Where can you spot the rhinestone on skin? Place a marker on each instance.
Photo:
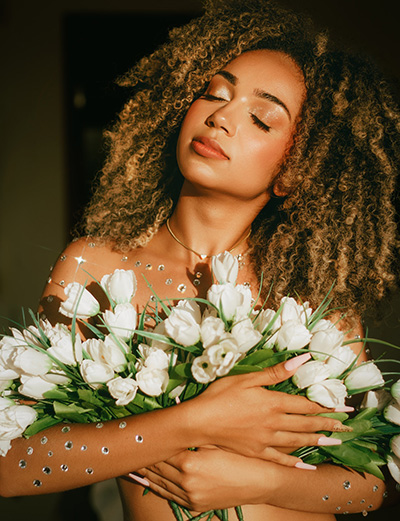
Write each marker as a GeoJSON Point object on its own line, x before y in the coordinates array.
{"type": "Point", "coordinates": [139, 438]}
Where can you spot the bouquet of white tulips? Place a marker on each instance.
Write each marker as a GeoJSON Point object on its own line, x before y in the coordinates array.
{"type": "Point", "coordinates": [129, 367]}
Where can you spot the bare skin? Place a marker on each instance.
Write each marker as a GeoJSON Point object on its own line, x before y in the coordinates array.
{"type": "Point", "coordinates": [217, 205]}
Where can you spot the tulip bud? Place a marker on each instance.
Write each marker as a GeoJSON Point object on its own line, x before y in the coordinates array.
{"type": "Point", "coordinates": [79, 302]}
{"type": "Point", "coordinates": [225, 268]}
{"type": "Point", "coordinates": [120, 285]}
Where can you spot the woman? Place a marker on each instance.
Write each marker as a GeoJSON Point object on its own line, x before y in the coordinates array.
{"type": "Point", "coordinates": [286, 155]}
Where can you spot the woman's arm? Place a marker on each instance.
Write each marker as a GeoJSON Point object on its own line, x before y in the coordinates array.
{"type": "Point", "coordinates": [65, 457]}
{"type": "Point", "coordinates": [73, 455]}
{"type": "Point", "coordinates": [211, 478]}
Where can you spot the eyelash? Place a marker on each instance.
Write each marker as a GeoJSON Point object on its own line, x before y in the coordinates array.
{"type": "Point", "coordinates": [210, 97]}
{"type": "Point", "coordinates": [254, 118]}
{"type": "Point", "coordinates": [260, 124]}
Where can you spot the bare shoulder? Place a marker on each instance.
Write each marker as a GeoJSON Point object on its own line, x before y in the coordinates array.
{"type": "Point", "coordinates": [83, 261]}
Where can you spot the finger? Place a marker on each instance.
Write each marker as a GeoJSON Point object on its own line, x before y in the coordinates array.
{"type": "Point", "coordinates": [275, 456]}
{"type": "Point", "coordinates": [302, 423]}
{"type": "Point", "coordinates": [279, 372]}
{"type": "Point", "coordinates": [165, 487]}
{"type": "Point", "coordinates": [296, 439]}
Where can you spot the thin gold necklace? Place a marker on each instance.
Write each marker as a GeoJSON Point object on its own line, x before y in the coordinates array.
{"type": "Point", "coordinates": [203, 255]}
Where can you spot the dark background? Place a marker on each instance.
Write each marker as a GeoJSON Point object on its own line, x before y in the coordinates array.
{"type": "Point", "coordinates": [59, 60]}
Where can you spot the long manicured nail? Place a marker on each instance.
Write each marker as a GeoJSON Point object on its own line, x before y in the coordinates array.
{"type": "Point", "coordinates": [344, 408]}
{"type": "Point", "coordinates": [296, 362]}
{"type": "Point", "coordinates": [305, 466]}
{"type": "Point", "coordinates": [324, 440]}
{"type": "Point", "coordinates": [142, 481]}
{"type": "Point", "coordinates": [339, 427]}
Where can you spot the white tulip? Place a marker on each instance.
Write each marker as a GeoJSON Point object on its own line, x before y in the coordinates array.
{"type": "Point", "coordinates": [393, 463]}
{"type": "Point", "coordinates": [310, 373]}
{"type": "Point", "coordinates": [123, 390]}
{"type": "Point", "coordinates": [363, 376]}
{"type": "Point", "coordinates": [223, 355]}
{"type": "Point", "coordinates": [79, 301]}
{"type": "Point", "coordinates": [395, 391]}
{"type": "Point", "coordinates": [4, 384]}
{"type": "Point", "coordinates": [13, 422]}
{"type": "Point", "coordinates": [56, 378]}
{"type": "Point", "coordinates": [329, 393]}
{"type": "Point", "coordinates": [120, 285]}
{"type": "Point", "coordinates": [244, 308]}
{"type": "Point", "coordinates": [341, 358]}
{"type": "Point", "coordinates": [233, 301]}
{"type": "Point", "coordinates": [292, 336]}
{"type": "Point", "coordinates": [159, 344]}
{"type": "Point", "coordinates": [395, 445]}
{"type": "Point", "coordinates": [61, 345]}
{"type": "Point", "coordinates": [212, 329]}
{"type": "Point", "coordinates": [183, 324]}
{"type": "Point", "coordinates": [5, 402]}
{"type": "Point", "coordinates": [378, 399]}
{"type": "Point", "coordinates": [112, 353]}
{"type": "Point", "coordinates": [122, 321]}
{"type": "Point", "coordinates": [35, 386]}
{"type": "Point", "coordinates": [293, 311]}
{"type": "Point", "coordinates": [152, 382]}
{"type": "Point", "coordinates": [32, 362]}
{"type": "Point", "coordinates": [202, 370]}
{"type": "Point", "coordinates": [325, 341]}
{"type": "Point", "coordinates": [225, 268]}
{"type": "Point", "coordinates": [5, 446]}
{"type": "Point", "coordinates": [10, 348]}
{"type": "Point", "coordinates": [245, 335]}
{"type": "Point", "coordinates": [157, 359]}
{"type": "Point", "coordinates": [392, 412]}
{"type": "Point", "coordinates": [95, 373]}
{"type": "Point", "coordinates": [264, 318]}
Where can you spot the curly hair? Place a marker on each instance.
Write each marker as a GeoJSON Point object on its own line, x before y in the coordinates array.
{"type": "Point", "coordinates": [338, 221]}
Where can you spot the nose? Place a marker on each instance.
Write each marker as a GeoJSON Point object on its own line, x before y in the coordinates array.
{"type": "Point", "coordinates": [222, 119]}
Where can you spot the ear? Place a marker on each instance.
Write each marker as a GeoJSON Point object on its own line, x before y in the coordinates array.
{"type": "Point", "coordinates": [278, 190]}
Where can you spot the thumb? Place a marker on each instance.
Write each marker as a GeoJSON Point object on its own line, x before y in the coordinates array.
{"type": "Point", "coordinates": [279, 372]}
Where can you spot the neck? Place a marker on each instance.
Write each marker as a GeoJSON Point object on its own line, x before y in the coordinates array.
{"type": "Point", "coordinates": [209, 224]}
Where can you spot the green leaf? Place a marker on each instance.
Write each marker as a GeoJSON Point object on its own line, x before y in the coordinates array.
{"type": "Point", "coordinates": [348, 454]}
{"type": "Point", "coordinates": [257, 357]}
{"type": "Point", "coordinates": [40, 425]}
{"type": "Point", "coordinates": [182, 371]}
{"type": "Point", "coordinates": [89, 397]}
{"type": "Point", "coordinates": [57, 394]}
{"type": "Point", "coordinates": [71, 412]}
{"type": "Point", "coordinates": [244, 369]}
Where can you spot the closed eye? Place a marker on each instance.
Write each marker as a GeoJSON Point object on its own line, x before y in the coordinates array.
{"type": "Point", "coordinates": [210, 97]}
{"type": "Point", "coordinates": [259, 123]}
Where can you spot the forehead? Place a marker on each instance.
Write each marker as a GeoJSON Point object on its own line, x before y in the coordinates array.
{"type": "Point", "coordinates": [271, 71]}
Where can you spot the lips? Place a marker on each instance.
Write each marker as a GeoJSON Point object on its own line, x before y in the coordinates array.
{"type": "Point", "coordinates": [207, 147]}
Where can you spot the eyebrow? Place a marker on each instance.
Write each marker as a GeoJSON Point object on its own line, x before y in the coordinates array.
{"type": "Point", "coordinates": [233, 80]}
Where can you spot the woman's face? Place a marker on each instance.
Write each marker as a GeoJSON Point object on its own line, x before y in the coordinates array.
{"type": "Point", "coordinates": [234, 137]}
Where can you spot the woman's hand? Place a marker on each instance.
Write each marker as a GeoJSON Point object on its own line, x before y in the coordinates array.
{"type": "Point", "coordinates": [236, 413]}
{"type": "Point", "coordinates": [209, 478]}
